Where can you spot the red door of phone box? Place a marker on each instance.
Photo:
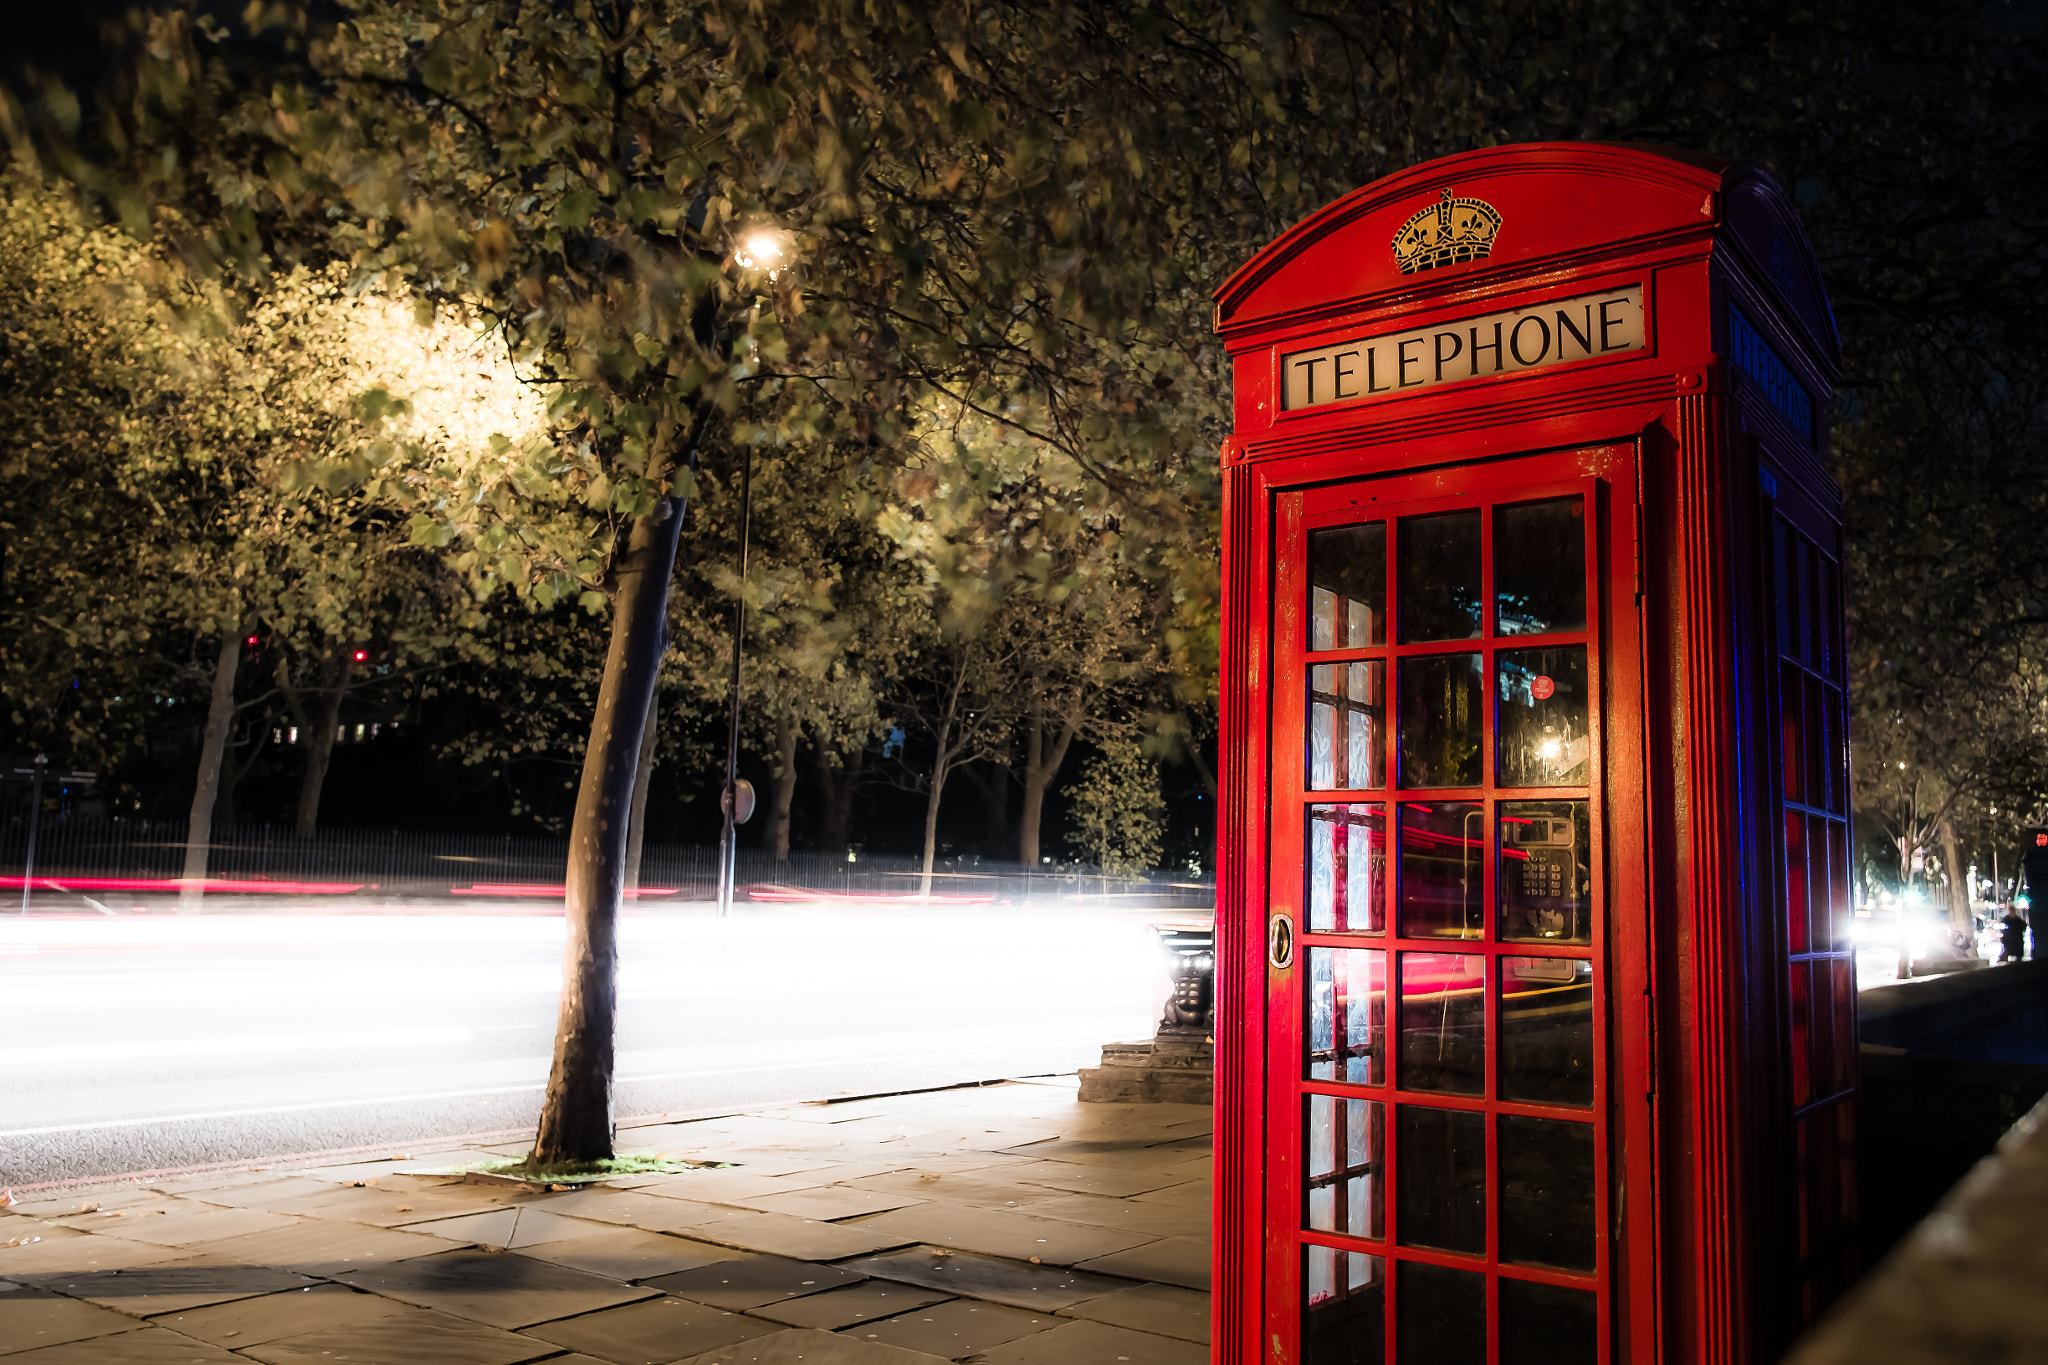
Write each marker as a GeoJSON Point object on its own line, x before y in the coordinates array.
{"type": "Point", "coordinates": [1536, 1008]}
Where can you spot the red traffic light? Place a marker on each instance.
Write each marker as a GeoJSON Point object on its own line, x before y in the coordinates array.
{"type": "Point", "coordinates": [252, 642]}
{"type": "Point", "coordinates": [2041, 841]}
{"type": "Point", "coordinates": [361, 655]}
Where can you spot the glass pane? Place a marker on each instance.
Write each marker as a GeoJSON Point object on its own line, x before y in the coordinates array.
{"type": "Point", "coordinates": [1345, 1189]}
{"type": "Point", "coordinates": [1347, 584]}
{"type": "Point", "coordinates": [1819, 895]}
{"type": "Point", "coordinates": [1802, 1025]}
{"type": "Point", "coordinates": [1440, 1157]}
{"type": "Point", "coordinates": [1347, 1015]}
{"type": "Point", "coordinates": [1823, 1183]}
{"type": "Point", "coordinates": [1829, 758]}
{"type": "Point", "coordinates": [1802, 587]}
{"type": "Point", "coordinates": [1841, 908]}
{"type": "Point", "coordinates": [1345, 744]}
{"type": "Point", "coordinates": [1443, 1023]}
{"type": "Point", "coordinates": [1442, 1317]}
{"type": "Point", "coordinates": [1346, 1299]}
{"type": "Point", "coordinates": [1443, 870]}
{"type": "Point", "coordinates": [1546, 1193]}
{"type": "Point", "coordinates": [1795, 881]}
{"type": "Point", "coordinates": [1817, 774]}
{"type": "Point", "coordinates": [1792, 732]}
{"type": "Point", "coordinates": [1845, 1022]}
{"type": "Point", "coordinates": [1546, 872]}
{"type": "Point", "coordinates": [1825, 659]}
{"type": "Point", "coordinates": [1821, 1033]}
{"type": "Point", "coordinates": [1543, 717]}
{"type": "Point", "coordinates": [1788, 602]}
{"type": "Point", "coordinates": [1546, 1030]}
{"type": "Point", "coordinates": [1439, 571]}
{"type": "Point", "coordinates": [1441, 707]}
{"type": "Point", "coordinates": [1548, 1324]}
{"type": "Point", "coordinates": [1539, 567]}
{"type": "Point", "coordinates": [1347, 869]}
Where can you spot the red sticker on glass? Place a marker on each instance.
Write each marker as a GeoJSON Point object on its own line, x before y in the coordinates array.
{"type": "Point", "coordinates": [1541, 687]}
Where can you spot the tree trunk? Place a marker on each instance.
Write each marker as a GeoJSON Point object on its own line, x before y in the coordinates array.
{"type": "Point", "coordinates": [994, 790]}
{"type": "Point", "coordinates": [643, 778]}
{"type": "Point", "coordinates": [1042, 759]}
{"type": "Point", "coordinates": [782, 788]}
{"type": "Point", "coordinates": [213, 746]}
{"type": "Point", "coordinates": [838, 777]}
{"type": "Point", "coordinates": [942, 763]}
{"type": "Point", "coordinates": [1958, 879]}
{"type": "Point", "coordinates": [576, 1115]}
{"type": "Point", "coordinates": [325, 729]}
{"type": "Point", "coordinates": [233, 770]}
{"type": "Point", "coordinates": [931, 818]}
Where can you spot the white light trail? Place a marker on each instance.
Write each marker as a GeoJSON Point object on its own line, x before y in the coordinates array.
{"type": "Point", "coordinates": [151, 1049]}
{"type": "Point", "coordinates": [1084, 1037]}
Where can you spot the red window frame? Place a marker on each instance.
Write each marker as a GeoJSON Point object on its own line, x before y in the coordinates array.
{"type": "Point", "coordinates": [1388, 499]}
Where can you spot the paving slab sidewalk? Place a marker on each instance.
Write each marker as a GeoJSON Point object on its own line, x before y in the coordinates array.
{"type": "Point", "coordinates": [1006, 1223]}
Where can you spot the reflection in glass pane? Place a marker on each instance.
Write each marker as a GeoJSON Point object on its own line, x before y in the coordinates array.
{"type": "Point", "coordinates": [1346, 1302]}
{"type": "Point", "coordinates": [1792, 731]}
{"type": "Point", "coordinates": [1539, 567]}
{"type": "Point", "coordinates": [1347, 869]}
{"type": "Point", "coordinates": [1439, 569]}
{"type": "Point", "coordinates": [1542, 717]}
{"type": "Point", "coordinates": [1347, 582]}
{"type": "Point", "coordinates": [1441, 1172]}
{"type": "Point", "coordinates": [1345, 704]}
{"type": "Point", "coordinates": [1345, 1138]}
{"type": "Point", "coordinates": [1443, 1023]}
{"type": "Point", "coordinates": [1795, 881]}
{"type": "Point", "coordinates": [1546, 1192]}
{"type": "Point", "coordinates": [1443, 1316]}
{"type": "Point", "coordinates": [1548, 1324]}
{"type": "Point", "coordinates": [1546, 872]}
{"type": "Point", "coordinates": [1820, 706]}
{"type": "Point", "coordinates": [1442, 701]}
{"type": "Point", "coordinates": [1546, 1030]}
{"type": "Point", "coordinates": [1443, 869]}
{"type": "Point", "coordinates": [1347, 1015]}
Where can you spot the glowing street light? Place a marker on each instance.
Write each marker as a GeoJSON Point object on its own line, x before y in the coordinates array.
{"type": "Point", "coordinates": [765, 250]}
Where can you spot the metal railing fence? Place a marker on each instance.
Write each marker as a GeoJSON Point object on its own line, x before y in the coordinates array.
{"type": "Point", "coordinates": [414, 863]}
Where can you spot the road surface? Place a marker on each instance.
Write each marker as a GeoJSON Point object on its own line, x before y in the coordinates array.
{"type": "Point", "coordinates": [156, 1041]}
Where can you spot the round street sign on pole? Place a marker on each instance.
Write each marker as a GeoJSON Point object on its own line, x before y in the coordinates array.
{"type": "Point", "coordinates": [741, 802]}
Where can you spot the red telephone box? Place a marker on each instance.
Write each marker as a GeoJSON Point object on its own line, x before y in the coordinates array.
{"type": "Point", "coordinates": [1536, 1036]}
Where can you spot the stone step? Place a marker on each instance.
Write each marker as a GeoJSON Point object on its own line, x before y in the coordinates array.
{"type": "Point", "coordinates": [1172, 1068]}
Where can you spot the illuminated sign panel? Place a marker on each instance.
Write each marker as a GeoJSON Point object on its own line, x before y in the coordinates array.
{"type": "Point", "coordinates": [1555, 333]}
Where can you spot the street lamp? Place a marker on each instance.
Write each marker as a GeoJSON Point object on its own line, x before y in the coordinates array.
{"type": "Point", "coordinates": [764, 250]}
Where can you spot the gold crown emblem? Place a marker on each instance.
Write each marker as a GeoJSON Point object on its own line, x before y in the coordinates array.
{"type": "Point", "coordinates": [1448, 232]}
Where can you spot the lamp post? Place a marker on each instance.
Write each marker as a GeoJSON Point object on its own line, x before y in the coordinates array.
{"type": "Point", "coordinates": [763, 251]}
{"type": "Point", "coordinates": [35, 815]}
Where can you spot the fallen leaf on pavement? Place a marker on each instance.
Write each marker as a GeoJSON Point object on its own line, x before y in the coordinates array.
{"type": "Point", "coordinates": [88, 1208]}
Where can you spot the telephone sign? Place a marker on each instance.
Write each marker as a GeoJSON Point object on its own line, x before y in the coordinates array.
{"type": "Point", "coordinates": [1535, 1001]}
